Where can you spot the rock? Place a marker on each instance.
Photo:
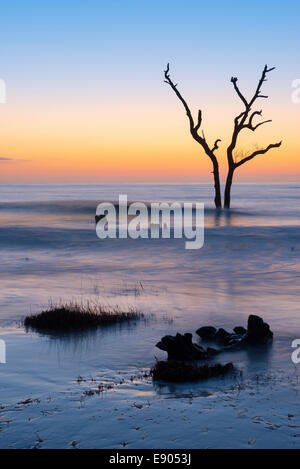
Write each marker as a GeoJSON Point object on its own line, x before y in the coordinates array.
{"type": "Point", "coordinates": [258, 331]}
{"type": "Point", "coordinates": [178, 371]}
{"type": "Point", "coordinates": [233, 339]}
{"type": "Point", "coordinates": [207, 332]}
{"type": "Point", "coordinates": [240, 330]}
{"type": "Point", "coordinates": [181, 347]}
{"type": "Point", "coordinates": [222, 336]}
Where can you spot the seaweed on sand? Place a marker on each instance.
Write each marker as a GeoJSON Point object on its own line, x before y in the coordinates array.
{"type": "Point", "coordinates": [178, 371]}
{"type": "Point", "coordinates": [75, 316]}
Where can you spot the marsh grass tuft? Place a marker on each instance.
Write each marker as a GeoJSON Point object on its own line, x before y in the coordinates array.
{"type": "Point", "coordinates": [76, 316]}
{"type": "Point", "coordinates": [177, 371]}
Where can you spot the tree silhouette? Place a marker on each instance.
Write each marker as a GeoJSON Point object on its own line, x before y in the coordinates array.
{"type": "Point", "coordinates": [194, 129]}
{"type": "Point", "coordinates": [243, 121]}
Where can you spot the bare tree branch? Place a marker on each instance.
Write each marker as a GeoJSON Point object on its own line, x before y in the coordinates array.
{"type": "Point", "coordinates": [245, 121]}
{"type": "Point", "coordinates": [179, 96]}
{"type": "Point", "coordinates": [254, 127]}
{"type": "Point", "coordinates": [234, 81]}
{"type": "Point", "coordinates": [194, 130]}
{"type": "Point", "coordinates": [239, 124]}
{"type": "Point", "coordinates": [216, 146]}
{"type": "Point", "coordinates": [260, 83]}
{"type": "Point", "coordinates": [240, 121]}
{"type": "Point", "coordinates": [258, 152]}
{"type": "Point", "coordinates": [199, 122]}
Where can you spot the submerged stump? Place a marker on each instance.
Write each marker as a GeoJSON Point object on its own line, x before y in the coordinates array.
{"type": "Point", "coordinates": [181, 347]}
{"type": "Point", "coordinates": [257, 332]}
{"type": "Point", "coordinates": [179, 371]}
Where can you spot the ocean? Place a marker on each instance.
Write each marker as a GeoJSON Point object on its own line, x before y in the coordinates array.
{"type": "Point", "coordinates": [249, 264]}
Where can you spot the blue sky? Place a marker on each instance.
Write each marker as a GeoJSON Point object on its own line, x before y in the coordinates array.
{"type": "Point", "coordinates": [81, 42]}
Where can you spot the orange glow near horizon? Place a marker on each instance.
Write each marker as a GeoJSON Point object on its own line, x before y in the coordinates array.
{"type": "Point", "coordinates": [87, 101]}
{"type": "Point", "coordinates": [84, 145]}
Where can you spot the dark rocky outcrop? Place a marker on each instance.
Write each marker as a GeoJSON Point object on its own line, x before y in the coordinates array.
{"type": "Point", "coordinates": [179, 371]}
{"type": "Point", "coordinates": [207, 332]}
{"type": "Point", "coordinates": [239, 330]}
{"type": "Point", "coordinates": [257, 332]}
{"type": "Point", "coordinates": [222, 336]}
{"type": "Point", "coordinates": [181, 347]}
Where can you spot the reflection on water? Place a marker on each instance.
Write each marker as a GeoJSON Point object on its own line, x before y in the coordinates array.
{"type": "Point", "coordinates": [82, 341]}
{"type": "Point", "coordinates": [224, 218]}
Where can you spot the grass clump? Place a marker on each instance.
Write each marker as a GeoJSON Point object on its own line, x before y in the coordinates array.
{"type": "Point", "coordinates": [75, 316]}
{"type": "Point", "coordinates": [178, 371]}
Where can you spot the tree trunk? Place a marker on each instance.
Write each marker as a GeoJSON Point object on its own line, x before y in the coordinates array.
{"type": "Point", "coordinates": [228, 188]}
{"type": "Point", "coordinates": [218, 200]}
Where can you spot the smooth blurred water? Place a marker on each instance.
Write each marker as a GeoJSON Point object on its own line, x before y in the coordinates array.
{"type": "Point", "coordinates": [49, 251]}
{"type": "Point", "coordinates": [249, 262]}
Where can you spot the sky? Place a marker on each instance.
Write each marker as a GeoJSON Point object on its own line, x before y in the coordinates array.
{"type": "Point", "coordinates": [86, 100]}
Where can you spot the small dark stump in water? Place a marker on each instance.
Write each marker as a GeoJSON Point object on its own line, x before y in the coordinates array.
{"type": "Point", "coordinates": [257, 332]}
{"type": "Point", "coordinates": [76, 317]}
{"type": "Point", "coordinates": [179, 371]}
{"type": "Point", "coordinates": [207, 332]}
{"type": "Point", "coordinates": [239, 330]}
{"type": "Point", "coordinates": [181, 347]}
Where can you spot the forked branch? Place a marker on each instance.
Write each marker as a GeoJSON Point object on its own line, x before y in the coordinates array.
{"type": "Point", "coordinates": [245, 119]}
{"type": "Point", "coordinates": [194, 128]}
{"type": "Point", "coordinates": [257, 152]}
{"type": "Point", "coordinates": [250, 123]}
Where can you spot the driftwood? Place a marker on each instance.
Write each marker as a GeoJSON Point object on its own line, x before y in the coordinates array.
{"type": "Point", "coordinates": [181, 347]}
{"type": "Point", "coordinates": [257, 332]}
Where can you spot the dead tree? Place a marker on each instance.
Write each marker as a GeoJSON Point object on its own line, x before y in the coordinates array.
{"type": "Point", "coordinates": [245, 121]}
{"type": "Point", "coordinates": [194, 130]}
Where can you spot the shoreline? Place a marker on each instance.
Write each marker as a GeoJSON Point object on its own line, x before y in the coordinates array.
{"type": "Point", "coordinates": [248, 397]}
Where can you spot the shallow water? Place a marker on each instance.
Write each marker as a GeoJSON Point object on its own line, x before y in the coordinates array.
{"type": "Point", "coordinates": [249, 264]}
